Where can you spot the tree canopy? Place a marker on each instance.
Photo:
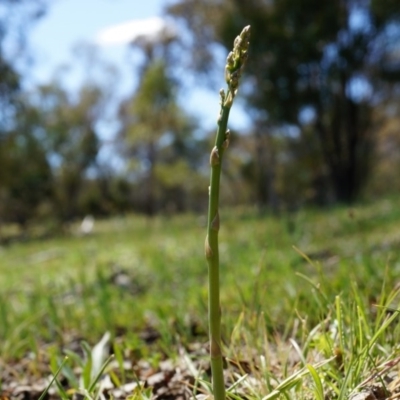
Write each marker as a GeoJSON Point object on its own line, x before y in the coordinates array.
{"type": "Point", "coordinates": [324, 64]}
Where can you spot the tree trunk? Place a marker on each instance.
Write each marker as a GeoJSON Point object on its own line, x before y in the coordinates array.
{"type": "Point", "coordinates": [150, 206]}
{"type": "Point", "coordinates": [345, 143]}
{"type": "Point", "coordinates": [266, 164]}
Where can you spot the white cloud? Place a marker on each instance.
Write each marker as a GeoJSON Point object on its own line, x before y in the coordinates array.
{"type": "Point", "coordinates": [151, 29]}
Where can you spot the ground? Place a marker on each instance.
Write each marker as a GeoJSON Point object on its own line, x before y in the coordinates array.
{"type": "Point", "coordinates": [309, 307]}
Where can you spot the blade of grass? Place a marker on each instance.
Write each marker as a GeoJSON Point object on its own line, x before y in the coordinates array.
{"type": "Point", "coordinates": [293, 380]}
{"type": "Point", "coordinates": [43, 395]}
{"type": "Point", "coordinates": [98, 376]}
{"type": "Point", "coordinates": [319, 390]}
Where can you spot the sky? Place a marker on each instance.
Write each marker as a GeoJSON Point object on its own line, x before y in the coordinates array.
{"type": "Point", "coordinates": [70, 22]}
{"type": "Point", "coordinates": [109, 24]}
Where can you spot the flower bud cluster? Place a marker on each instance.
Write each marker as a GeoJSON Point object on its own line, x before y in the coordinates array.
{"type": "Point", "coordinates": [236, 60]}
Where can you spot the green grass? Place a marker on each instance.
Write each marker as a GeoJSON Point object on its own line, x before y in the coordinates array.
{"type": "Point", "coordinates": [284, 315]}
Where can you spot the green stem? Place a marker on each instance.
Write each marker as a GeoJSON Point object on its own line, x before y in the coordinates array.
{"type": "Point", "coordinates": [235, 62]}
{"type": "Point", "coordinates": [212, 255]}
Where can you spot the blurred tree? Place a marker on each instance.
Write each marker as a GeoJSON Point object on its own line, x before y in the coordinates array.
{"type": "Point", "coordinates": [16, 17]}
{"type": "Point", "coordinates": [48, 155]}
{"type": "Point", "coordinates": [68, 131]}
{"type": "Point", "coordinates": [156, 135]}
{"type": "Point", "coordinates": [104, 195]}
{"type": "Point", "coordinates": [27, 181]}
{"type": "Point", "coordinates": [385, 177]}
{"type": "Point", "coordinates": [24, 170]}
{"type": "Point", "coordinates": [312, 62]}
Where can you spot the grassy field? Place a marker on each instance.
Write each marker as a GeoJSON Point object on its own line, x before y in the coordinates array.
{"type": "Point", "coordinates": [309, 306]}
